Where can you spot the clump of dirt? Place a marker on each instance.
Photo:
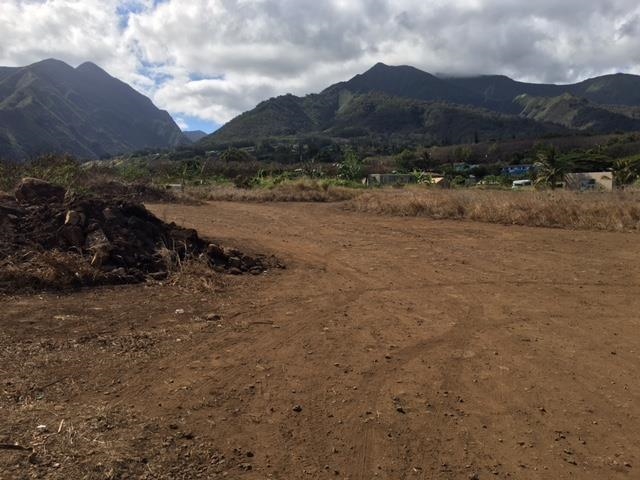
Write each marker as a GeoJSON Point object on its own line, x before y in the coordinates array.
{"type": "Point", "coordinates": [52, 239]}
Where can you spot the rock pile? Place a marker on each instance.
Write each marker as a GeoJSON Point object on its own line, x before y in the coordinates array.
{"type": "Point", "coordinates": [116, 241]}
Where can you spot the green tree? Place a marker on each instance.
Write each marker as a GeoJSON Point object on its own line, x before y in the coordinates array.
{"type": "Point", "coordinates": [351, 166]}
{"type": "Point", "coordinates": [626, 171]}
{"type": "Point", "coordinates": [235, 155]}
{"type": "Point", "coordinates": [192, 169]}
{"type": "Point", "coordinates": [410, 160]}
{"type": "Point", "coordinates": [550, 168]}
{"type": "Point", "coordinates": [463, 154]}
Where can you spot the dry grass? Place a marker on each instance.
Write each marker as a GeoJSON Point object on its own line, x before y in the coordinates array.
{"type": "Point", "coordinates": [194, 273]}
{"type": "Point", "coordinates": [56, 270]}
{"type": "Point", "coordinates": [301, 191]}
{"type": "Point", "coordinates": [46, 270]}
{"type": "Point", "coordinates": [618, 211]}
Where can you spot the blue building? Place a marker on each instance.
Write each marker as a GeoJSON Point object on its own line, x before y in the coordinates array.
{"type": "Point", "coordinates": [517, 170]}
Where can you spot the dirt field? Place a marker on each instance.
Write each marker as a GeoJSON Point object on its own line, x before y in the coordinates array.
{"type": "Point", "coordinates": [391, 348]}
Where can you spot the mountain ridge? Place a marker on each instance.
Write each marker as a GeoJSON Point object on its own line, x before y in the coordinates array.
{"type": "Point", "coordinates": [194, 135]}
{"type": "Point", "coordinates": [52, 107]}
{"type": "Point", "coordinates": [382, 100]}
{"type": "Point", "coordinates": [322, 113]}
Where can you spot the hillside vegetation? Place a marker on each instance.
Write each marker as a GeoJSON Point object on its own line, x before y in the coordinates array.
{"type": "Point", "coordinates": [404, 105]}
{"type": "Point", "coordinates": [576, 113]}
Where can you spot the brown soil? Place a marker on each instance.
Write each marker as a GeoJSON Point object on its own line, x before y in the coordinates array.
{"type": "Point", "coordinates": [389, 348]}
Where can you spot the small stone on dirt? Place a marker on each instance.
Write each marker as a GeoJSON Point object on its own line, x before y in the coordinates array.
{"type": "Point", "coordinates": [235, 262]}
{"type": "Point", "coordinates": [74, 218]}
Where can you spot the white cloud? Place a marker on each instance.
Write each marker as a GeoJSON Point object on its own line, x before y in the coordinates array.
{"type": "Point", "coordinates": [182, 123]}
{"type": "Point", "coordinates": [213, 59]}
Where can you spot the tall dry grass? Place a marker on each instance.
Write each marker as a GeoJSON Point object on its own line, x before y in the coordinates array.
{"type": "Point", "coordinates": [617, 211]}
{"type": "Point", "coordinates": [299, 191]}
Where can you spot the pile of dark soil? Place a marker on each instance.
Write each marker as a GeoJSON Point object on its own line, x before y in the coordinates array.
{"type": "Point", "coordinates": [52, 239]}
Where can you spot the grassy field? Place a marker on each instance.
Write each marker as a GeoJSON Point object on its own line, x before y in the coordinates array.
{"type": "Point", "coordinates": [618, 211]}
{"type": "Point", "coordinates": [604, 211]}
{"type": "Point", "coordinates": [291, 191]}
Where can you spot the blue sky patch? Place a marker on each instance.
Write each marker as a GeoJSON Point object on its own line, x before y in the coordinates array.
{"type": "Point", "coordinates": [195, 123]}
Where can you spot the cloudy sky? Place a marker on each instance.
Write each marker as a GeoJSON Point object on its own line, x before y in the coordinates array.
{"type": "Point", "coordinates": [205, 61]}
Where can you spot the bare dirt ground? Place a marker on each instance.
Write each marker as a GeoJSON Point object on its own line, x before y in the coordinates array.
{"type": "Point", "coordinates": [392, 348]}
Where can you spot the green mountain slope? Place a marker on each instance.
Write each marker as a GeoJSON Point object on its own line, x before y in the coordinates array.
{"type": "Point", "coordinates": [408, 82]}
{"type": "Point", "coordinates": [276, 117]}
{"type": "Point", "coordinates": [498, 92]}
{"type": "Point", "coordinates": [399, 101]}
{"type": "Point", "coordinates": [575, 113]}
{"type": "Point", "coordinates": [408, 103]}
{"type": "Point", "coordinates": [618, 89]}
{"type": "Point", "coordinates": [432, 122]}
{"type": "Point", "coordinates": [50, 107]}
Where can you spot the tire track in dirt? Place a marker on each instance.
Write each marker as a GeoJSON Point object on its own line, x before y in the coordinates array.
{"type": "Point", "coordinates": [375, 379]}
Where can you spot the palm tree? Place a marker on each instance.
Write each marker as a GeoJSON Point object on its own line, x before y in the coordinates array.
{"type": "Point", "coordinates": [626, 171]}
{"type": "Point", "coordinates": [550, 168]}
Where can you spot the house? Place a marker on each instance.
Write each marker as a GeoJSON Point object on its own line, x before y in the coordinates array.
{"type": "Point", "coordinates": [516, 170]}
{"type": "Point", "coordinates": [602, 181]}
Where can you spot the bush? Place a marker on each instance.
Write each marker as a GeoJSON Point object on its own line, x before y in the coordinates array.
{"type": "Point", "coordinates": [60, 170]}
{"type": "Point", "coordinates": [351, 167]}
{"type": "Point", "coordinates": [134, 171]}
{"type": "Point", "coordinates": [9, 175]}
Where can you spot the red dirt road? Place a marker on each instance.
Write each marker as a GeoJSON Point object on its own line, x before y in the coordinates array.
{"type": "Point", "coordinates": [392, 348]}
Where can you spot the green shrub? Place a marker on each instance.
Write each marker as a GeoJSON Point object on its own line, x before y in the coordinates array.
{"type": "Point", "coordinates": [60, 170]}
{"type": "Point", "coordinates": [351, 166]}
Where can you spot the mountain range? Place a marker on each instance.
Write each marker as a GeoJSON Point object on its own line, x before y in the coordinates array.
{"type": "Point", "coordinates": [51, 107]}
{"type": "Point", "coordinates": [404, 103]}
